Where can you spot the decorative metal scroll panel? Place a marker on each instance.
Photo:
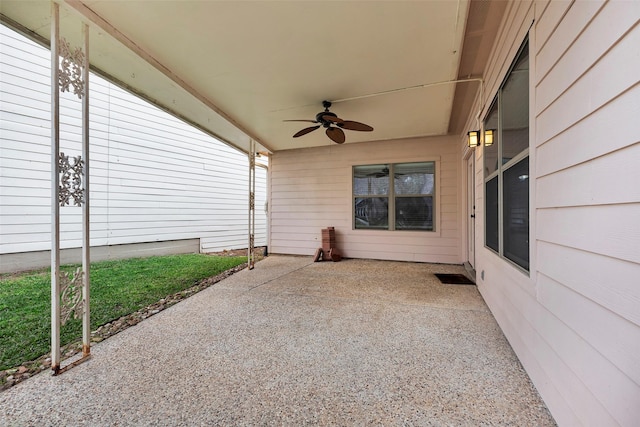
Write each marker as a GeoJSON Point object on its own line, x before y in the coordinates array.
{"type": "Point", "coordinates": [71, 295]}
{"type": "Point", "coordinates": [71, 65]}
{"type": "Point", "coordinates": [70, 180]}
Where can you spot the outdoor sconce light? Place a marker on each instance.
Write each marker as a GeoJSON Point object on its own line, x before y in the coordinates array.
{"type": "Point", "coordinates": [473, 138]}
{"type": "Point", "coordinates": [488, 137]}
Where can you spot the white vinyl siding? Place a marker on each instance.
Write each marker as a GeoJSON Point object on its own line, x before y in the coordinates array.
{"type": "Point", "coordinates": [153, 177]}
{"type": "Point", "coordinates": [311, 189]}
{"type": "Point", "coordinates": [575, 323]}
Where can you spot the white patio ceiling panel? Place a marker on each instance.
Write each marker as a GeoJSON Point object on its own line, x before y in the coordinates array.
{"type": "Point", "coordinates": [238, 69]}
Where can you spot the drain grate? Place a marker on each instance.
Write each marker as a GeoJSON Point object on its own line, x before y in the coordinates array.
{"type": "Point", "coordinates": [454, 279]}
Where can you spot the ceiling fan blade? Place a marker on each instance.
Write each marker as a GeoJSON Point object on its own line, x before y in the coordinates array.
{"type": "Point", "coordinates": [302, 120]}
{"type": "Point", "coordinates": [336, 135]}
{"type": "Point", "coordinates": [306, 131]}
{"type": "Point", "coordinates": [351, 125]}
{"type": "Point", "coordinates": [332, 119]}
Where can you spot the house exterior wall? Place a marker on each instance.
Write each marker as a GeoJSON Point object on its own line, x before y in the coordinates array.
{"type": "Point", "coordinates": [311, 189]}
{"type": "Point", "coordinates": [153, 177]}
{"type": "Point", "coordinates": [574, 320]}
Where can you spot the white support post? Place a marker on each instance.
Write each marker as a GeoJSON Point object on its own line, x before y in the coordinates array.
{"type": "Point", "coordinates": [55, 206]}
{"type": "Point", "coordinates": [252, 204]}
{"type": "Point", "coordinates": [69, 184]}
{"type": "Point", "coordinates": [86, 247]}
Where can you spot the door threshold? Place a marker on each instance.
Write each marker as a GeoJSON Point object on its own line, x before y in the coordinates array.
{"type": "Point", "coordinates": [470, 270]}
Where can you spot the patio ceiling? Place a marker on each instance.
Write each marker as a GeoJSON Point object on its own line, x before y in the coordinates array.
{"type": "Point", "coordinates": [238, 69]}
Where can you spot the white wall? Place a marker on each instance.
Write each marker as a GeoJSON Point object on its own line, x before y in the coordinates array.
{"type": "Point", "coordinates": [311, 189]}
{"type": "Point", "coordinates": [575, 320]}
{"type": "Point", "coordinates": [153, 177]}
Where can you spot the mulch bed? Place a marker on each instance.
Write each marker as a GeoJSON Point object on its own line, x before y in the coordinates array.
{"type": "Point", "coordinates": [13, 376]}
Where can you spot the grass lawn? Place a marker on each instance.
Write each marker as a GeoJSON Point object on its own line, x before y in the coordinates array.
{"type": "Point", "coordinates": [117, 288]}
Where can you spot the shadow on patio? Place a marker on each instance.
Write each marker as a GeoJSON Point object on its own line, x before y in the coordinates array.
{"type": "Point", "coordinates": [294, 342]}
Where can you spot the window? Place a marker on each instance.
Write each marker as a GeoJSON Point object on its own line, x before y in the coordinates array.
{"type": "Point", "coordinates": [506, 166]}
{"type": "Point", "coordinates": [402, 203]}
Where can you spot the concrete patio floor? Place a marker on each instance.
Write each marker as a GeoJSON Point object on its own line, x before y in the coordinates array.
{"type": "Point", "coordinates": [294, 342]}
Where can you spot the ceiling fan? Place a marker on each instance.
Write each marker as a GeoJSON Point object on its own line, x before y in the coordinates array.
{"type": "Point", "coordinates": [332, 123]}
{"type": "Point", "coordinates": [384, 172]}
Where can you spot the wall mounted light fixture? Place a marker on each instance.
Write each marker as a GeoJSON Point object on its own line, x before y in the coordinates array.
{"type": "Point", "coordinates": [473, 138]}
{"type": "Point", "coordinates": [488, 137]}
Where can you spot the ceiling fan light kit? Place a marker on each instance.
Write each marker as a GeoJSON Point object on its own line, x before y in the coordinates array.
{"type": "Point", "coordinates": [333, 125]}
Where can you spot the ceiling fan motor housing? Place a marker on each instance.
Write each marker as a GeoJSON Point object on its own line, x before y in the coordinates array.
{"type": "Point", "coordinates": [320, 118]}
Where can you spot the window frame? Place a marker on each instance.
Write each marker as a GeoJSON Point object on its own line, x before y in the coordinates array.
{"type": "Point", "coordinates": [502, 168]}
{"type": "Point", "coordinates": [391, 196]}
